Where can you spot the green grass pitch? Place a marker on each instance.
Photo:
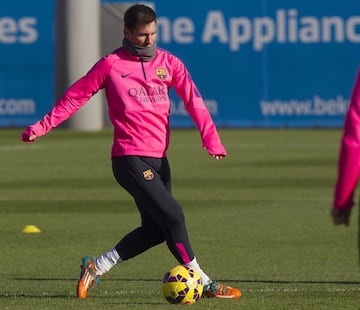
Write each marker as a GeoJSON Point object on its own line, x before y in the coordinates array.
{"type": "Point", "coordinates": [258, 220]}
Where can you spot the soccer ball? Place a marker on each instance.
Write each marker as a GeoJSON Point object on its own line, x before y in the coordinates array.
{"type": "Point", "coordinates": [182, 285]}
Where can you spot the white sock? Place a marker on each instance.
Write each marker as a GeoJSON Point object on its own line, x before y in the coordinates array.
{"type": "Point", "coordinates": [204, 277]}
{"type": "Point", "coordinates": [106, 261]}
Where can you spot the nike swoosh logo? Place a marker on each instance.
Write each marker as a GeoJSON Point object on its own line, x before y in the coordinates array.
{"type": "Point", "coordinates": [126, 75]}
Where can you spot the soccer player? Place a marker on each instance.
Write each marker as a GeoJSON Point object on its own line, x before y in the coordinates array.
{"type": "Point", "coordinates": [349, 161]}
{"type": "Point", "coordinates": [136, 79]}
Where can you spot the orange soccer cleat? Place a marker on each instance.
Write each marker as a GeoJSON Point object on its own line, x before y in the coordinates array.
{"type": "Point", "coordinates": [218, 290]}
{"type": "Point", "coordinates": [87, 276]}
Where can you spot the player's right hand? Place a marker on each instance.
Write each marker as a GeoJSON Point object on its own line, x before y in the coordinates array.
{"type": "Point", "coordinates": [28, 136]}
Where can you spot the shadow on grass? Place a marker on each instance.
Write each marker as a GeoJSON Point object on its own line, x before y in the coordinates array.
{"type": "Point", "coordinates": [74, 297]}
{"type": "Point", "coordinates": [220, 280]}
{"type": "Point", "coordinates": [112, 299]}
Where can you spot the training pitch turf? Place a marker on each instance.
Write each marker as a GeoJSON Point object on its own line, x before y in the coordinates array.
{"type": "Point", "coordinates": [258, 220]}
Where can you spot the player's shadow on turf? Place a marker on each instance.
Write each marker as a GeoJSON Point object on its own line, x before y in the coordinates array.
{"type": "Point", "coordinates": [220, 280]}
{"type": "Point", "coordinates": [108, 300]}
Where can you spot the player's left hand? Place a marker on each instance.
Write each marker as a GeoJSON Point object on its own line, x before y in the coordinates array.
{"type": "Point", "coordinates": [216, 156]}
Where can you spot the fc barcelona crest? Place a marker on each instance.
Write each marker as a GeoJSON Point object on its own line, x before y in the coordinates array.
{"type": "Point", "coordinates": [161, 73]}
{"type": "Point", "coordinates": [148, 175]}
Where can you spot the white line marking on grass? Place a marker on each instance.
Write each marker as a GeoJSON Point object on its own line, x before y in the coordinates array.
{"type": "Point", "coordinates": [263, 146]}
{"type": "Point", "coordinates": [286, 146]}
{"type": "Point", "coordinates": [43, 146]}
{"type": "Point", "coordinates": [19, 147]}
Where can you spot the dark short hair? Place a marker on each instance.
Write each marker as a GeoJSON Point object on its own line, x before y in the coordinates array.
{"type": "Point", "coordinates": [138, 15]}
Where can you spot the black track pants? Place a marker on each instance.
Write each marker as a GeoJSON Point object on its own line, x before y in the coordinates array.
{"type": "Point", "coordinates": [148, 180]}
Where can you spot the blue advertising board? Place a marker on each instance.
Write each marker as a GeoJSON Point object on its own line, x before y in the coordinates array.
{"type": "Point", "coordinates": [27, 48]}
{"type": "Point", "coordinates": [265, 63]}
{"type": "Point", "coordinates": [257, 64]}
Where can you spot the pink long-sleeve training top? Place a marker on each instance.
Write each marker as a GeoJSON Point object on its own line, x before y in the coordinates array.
{"type": "Point", "coordinates": [349, 157]}
{"type": "Point", "coordinates": [138, 103]}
